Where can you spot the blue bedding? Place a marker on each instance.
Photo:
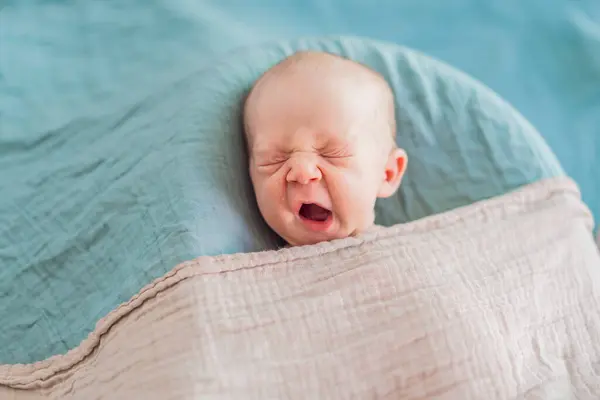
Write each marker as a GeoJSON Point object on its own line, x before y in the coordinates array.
{"type": "Point", "coordinates": [89, 92]}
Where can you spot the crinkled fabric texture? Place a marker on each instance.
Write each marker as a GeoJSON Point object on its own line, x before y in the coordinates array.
{"type": "Point", "coordinates": [497, 300]}
{"type": "Point", "coordinates": [113, 172]}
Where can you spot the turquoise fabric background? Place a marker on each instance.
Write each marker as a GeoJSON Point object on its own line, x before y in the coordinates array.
{"type": "Point", "coordinates": [119, 144]}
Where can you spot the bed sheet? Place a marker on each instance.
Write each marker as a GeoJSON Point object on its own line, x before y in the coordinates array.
{"type": "Point", "coordinates": [64, 66]}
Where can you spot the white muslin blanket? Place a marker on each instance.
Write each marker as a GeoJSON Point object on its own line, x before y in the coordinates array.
{"type": "Point", "coordinates": [496, 300]}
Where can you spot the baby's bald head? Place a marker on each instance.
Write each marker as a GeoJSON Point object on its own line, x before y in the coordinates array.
{"type": "Point", "coordinates": [322, 72]}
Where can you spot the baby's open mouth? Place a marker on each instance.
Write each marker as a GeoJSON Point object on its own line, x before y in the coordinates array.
{"type": "Point", "coordinates": [314, 212]}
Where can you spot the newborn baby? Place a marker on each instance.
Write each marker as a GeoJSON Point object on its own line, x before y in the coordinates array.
{"type": "Point", "coordinates": [320, 131]}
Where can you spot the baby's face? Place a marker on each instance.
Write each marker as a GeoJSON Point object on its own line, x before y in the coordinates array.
{"type": "Point", "coordinates": [316, 161]}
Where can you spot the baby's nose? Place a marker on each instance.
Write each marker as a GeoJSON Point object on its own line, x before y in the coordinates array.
{"type": "Point", "coordinates": [304, 170]}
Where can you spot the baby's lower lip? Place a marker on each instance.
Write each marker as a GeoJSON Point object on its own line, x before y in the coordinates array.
{"type": "Point", "coordinates": [317, 226]}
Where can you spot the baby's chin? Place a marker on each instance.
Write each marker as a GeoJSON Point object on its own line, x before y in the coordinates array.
{"type": "Point", "coordinates": [306, 239]}
{"type": "Point", "coordinates": [303, 238]}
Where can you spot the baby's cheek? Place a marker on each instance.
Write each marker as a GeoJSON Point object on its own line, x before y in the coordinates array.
{"type": "Point", "coordinates": [349, 182]}
{"type": "Point", "coordinates": [343, 189]}
{"type": "Point", "coordinates": [358, 193]}
{"type": "Point", "coordinates": [272, 191]}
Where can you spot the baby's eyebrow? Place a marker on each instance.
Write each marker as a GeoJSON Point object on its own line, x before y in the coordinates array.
{"type": "Point", "coordinates": [333, 143]}
{"type": "Point", "coordinates": [265, 152]}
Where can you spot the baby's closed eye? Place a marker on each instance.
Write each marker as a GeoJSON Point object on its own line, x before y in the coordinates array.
{"type": "Point", "coordinates": [268, 156]}
{"type": "Point", "coordinates": [270, 160]}
{"type": "Point", "coordinates": [338, 154]}
{"type": "Point", "coordinates": [335, 149]}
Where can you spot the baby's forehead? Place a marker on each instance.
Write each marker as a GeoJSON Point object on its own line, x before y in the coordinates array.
{"type": "Point", "coordinates": [334, 104]}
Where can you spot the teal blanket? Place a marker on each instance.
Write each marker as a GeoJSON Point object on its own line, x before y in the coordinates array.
{"type": "Point", "coordinates": [71, 71]}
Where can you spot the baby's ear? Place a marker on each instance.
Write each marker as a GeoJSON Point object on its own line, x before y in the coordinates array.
{"type": "Point", "coordinates": [394, 171]}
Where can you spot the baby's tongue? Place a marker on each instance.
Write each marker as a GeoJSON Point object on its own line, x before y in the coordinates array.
{"type": "Point", "coordinates": [314, 212]}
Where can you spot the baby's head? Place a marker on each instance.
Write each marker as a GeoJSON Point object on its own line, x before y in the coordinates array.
{"type": "Point", "coordinates": [321, 132]}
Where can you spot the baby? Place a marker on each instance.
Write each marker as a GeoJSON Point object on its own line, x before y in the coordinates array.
{"type": "Point", "coordinates": [320, 131]}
